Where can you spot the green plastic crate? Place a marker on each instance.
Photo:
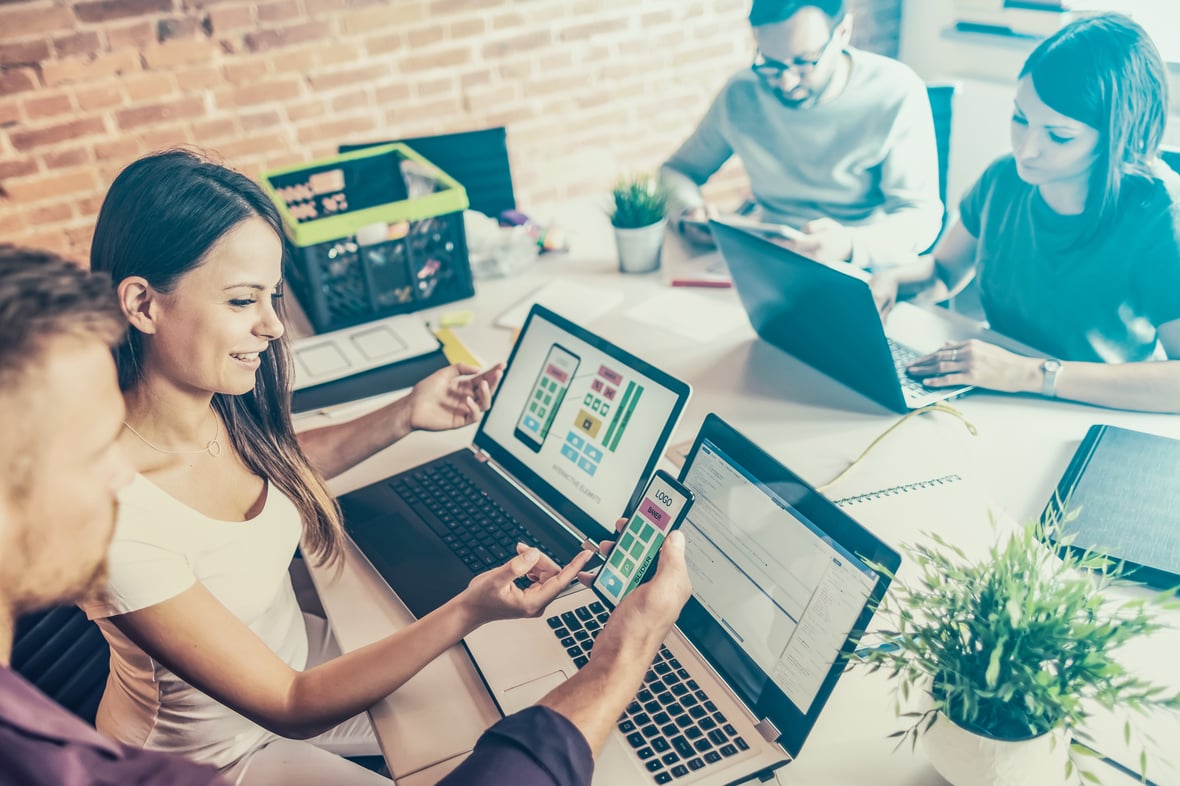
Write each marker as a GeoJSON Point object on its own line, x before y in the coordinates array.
{"type": "Point", "coordinates": [421, 262]}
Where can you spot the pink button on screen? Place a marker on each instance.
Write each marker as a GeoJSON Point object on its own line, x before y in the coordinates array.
{"type": "Point", "coordinates": [609, 375]}
{"type": "Point", "coordinates": [654, 513]}
{"type": "Point", "coordinates": [557, 373]}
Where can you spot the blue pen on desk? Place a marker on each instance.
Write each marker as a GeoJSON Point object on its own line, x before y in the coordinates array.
{"type": "Point", "coordinates": [890, 644]}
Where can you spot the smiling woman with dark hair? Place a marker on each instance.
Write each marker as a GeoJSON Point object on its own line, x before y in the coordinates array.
{"type": "Point", "coordinates": [1075, 236]}
{"type": "Point", "coordinates": [211, 657]}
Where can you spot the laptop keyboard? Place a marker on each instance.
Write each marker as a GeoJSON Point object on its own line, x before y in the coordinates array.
{"type": "Point", "coordinates": [469, 522]}
{"type": "Point", "coordinates": [903, 356]}
{"type": "Point", "coordinates": [672, 725]}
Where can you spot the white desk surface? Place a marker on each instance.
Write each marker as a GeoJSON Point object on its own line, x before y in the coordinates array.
{"type": "Point", "coordinates": [811, 423]}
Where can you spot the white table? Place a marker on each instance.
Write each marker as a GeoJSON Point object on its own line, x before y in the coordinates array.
{"type": "Point", "coordinates": [811, 423]}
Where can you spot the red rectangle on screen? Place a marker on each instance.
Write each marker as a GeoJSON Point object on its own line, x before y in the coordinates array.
{"type": "Point", "coordinates": [654, 513]}
{"type": "Point", "coordinates": [611, 376]}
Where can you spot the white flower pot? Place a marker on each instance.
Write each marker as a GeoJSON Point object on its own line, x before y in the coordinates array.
{"type": "Point", "coordinates": [968, 759]}
{"type": "Point", "coordinates": [639, 249]}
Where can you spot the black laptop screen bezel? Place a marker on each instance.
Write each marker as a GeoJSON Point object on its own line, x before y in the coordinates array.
{"type": "Point", "coordinates": [755, 688]}
{"type": "Point", "coordinates": [551, 496]}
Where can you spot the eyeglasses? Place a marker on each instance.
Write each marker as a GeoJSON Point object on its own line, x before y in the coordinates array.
{"type": "Point", "coordinates": [773, 70]}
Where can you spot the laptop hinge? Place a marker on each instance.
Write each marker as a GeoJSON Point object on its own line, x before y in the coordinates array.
{"type": "Point", "coordinates": [480, 456]}
{"type": "Point", "coordinates": [768, 730]}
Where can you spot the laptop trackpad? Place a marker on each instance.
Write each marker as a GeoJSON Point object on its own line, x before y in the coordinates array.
{"type": "Point", "coordinates": [526, 695]}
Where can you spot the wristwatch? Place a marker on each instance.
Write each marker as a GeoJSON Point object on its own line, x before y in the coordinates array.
{"type": "Point", "coordinates": [1050, 368]}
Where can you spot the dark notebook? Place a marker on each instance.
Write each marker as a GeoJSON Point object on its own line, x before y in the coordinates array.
{"type": "Point", "coordinates": [1125, 487]}
{"type": "Point", "coordinates": [373, 382]}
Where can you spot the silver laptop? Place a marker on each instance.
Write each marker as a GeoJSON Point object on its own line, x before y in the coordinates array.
{"type": "Point", "coordinates": [827, 318]}
{"type": "Point", "coordinates": [784, 582]}
{"type": "Point", "coordinates": [576, 428]}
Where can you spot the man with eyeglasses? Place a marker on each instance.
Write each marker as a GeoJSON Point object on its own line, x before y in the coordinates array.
{"type": "Point", "coordinates": [837, 142]}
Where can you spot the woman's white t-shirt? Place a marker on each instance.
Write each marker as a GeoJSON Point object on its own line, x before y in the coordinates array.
{"type": "Point", "coordinates": [160, 549]}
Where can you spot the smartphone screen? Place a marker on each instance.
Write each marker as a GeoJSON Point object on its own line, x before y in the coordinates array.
{"type": "Point", "coordinates": [553, 380]}
{"type": "Point", "coordinates": [661, 510]}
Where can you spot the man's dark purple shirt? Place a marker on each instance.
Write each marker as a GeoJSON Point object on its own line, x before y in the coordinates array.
{"type": "Point", "coordinates": [534, 747]}
{"type": "Point", "coordinates": [42, 743]}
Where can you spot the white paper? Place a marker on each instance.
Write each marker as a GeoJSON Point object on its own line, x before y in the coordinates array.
{"type": "Point", "coordinates": [327, 357]}
{"type": "Point", "coordinates": [691, 315]}
{"type": "Point", "coordinates": [577, 301]}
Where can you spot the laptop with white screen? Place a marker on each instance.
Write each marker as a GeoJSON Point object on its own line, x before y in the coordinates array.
{"type": "Point", "coordinates": [574, 430]}
{"type": "Point", "coordinates": [784, 582]}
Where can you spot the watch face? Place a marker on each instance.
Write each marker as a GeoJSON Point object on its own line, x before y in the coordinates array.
{"type": "Point", "coordinates": [1049, 369]}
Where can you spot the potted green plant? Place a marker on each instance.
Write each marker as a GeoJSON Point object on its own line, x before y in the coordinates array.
{"type": "Point", "coordinates": [1011, 651]}
{"type": "Point", "coordinates": [637, 214]}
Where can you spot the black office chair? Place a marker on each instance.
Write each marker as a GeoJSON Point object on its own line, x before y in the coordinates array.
{"type": "Point", "coordinates": [942, 105]}
{"type": "Point", "coordinates": [477, 159]}
{"type": "Point", "coordinates": [65, 655]}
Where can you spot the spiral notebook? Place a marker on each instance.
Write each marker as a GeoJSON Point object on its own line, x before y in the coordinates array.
{"type": "Point", "coordinates": [895, 491]}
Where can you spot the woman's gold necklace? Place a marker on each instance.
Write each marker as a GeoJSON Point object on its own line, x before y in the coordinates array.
{"type": "Point", "coordinates": [212, 447]}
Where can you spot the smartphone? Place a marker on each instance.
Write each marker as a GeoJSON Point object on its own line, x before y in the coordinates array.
{"type": "Point", "coordinates": [554, 379]}
{"type": "Point", "coordinates": [661, 509]}
{"type": "Point", "coordinates": [772, 231]}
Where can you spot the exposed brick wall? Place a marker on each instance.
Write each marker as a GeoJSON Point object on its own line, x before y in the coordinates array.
{"type": "Point", "coordinates": [587, 88]}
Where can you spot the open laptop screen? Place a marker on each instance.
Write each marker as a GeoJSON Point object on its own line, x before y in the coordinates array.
{"type": "Point", "coordinates": [781, 580]}
{"type": "Point", "coordinates": [580, 421]}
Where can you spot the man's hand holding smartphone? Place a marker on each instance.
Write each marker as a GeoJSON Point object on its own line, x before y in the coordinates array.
{"type": "Point", "coordinates": [648, 613]}
{"type": "Point", "coordinates": [661, 509]}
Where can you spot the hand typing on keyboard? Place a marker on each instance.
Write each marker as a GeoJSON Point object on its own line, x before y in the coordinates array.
{"type": "Point", "coordinates": [981, 364]}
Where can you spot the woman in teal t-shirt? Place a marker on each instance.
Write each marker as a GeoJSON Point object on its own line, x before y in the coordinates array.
{"type": "Point", "coordinates": [1075, 237]}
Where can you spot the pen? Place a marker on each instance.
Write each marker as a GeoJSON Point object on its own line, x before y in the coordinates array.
{"type": "Point", "coordinates": [886, 645]}
{"type": "Point", "coordinates": [692, 282]}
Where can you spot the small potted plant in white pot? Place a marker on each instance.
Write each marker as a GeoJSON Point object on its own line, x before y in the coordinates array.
{"type": "Point", "coordinates": [637, 214]}
{"type": "Point", "coordinates": [1010, 652]}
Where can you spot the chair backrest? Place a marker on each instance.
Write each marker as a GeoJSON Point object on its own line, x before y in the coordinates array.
{"type": "Point", "coordinates": [942, 105]}
{"type": "Point", "coordinates": [477, 159]}
{"type": "Point", "coordinates": [65, 655]}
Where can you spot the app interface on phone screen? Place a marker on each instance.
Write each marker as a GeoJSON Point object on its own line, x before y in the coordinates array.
{"type": "Point", "coordinates": [545, 398]}
{"type": "Point", "coordinates": [640, 540]}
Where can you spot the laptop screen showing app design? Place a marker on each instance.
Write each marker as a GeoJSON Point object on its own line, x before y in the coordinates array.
{"type": "Point", "coordinates": [579, 421]}
{"type": "Point", "coordinates": [574, 430]}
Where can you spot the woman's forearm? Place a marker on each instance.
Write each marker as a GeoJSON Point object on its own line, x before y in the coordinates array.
{"type": "Point", "coordinates": [341, 446]}
{"type": "Point", "coordinates": [1147, 387]}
